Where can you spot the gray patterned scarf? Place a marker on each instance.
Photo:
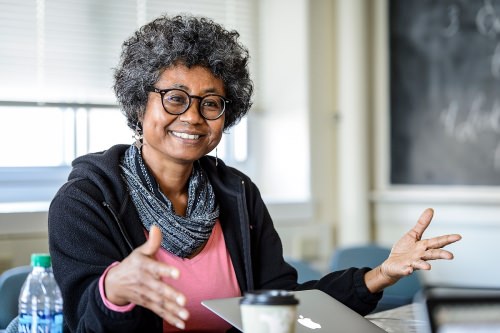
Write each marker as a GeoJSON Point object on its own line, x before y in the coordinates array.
{"type": "Point", "coordinates": [182, 235]}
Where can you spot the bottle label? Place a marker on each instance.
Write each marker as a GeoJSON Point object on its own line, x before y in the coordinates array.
{"type": "Point", "coordinates": [40, 323]}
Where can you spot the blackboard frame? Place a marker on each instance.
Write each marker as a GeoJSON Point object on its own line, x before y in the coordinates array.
{"type": "Point", "coordinates": [384, 192]}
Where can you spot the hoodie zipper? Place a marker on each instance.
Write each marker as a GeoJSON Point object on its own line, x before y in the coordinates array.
{"type": "Point", "coordinates": [120, 225]}
{"type": "Point", "coordinates": [245, 235]}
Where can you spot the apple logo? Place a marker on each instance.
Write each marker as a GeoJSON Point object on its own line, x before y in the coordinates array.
{"type": "Point", "coordinates": [308, 322]}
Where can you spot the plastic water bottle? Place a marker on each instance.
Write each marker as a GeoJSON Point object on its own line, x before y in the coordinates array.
{"type": "Point", "coordinates": [40, 301]}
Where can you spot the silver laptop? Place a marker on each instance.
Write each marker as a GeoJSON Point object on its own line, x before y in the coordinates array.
{"type": "Point", "coordinates": [317, 312]}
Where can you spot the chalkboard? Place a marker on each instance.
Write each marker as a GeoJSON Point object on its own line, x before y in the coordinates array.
{"type": "Point", "coordinates": [444, 92]}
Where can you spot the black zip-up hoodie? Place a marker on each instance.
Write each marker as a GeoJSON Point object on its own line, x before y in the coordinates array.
{"type": "Point", "coordinates": [93, 223]}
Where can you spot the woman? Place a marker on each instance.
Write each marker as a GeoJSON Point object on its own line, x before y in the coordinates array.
{"type": "Point", "coordinates": [140, 234]}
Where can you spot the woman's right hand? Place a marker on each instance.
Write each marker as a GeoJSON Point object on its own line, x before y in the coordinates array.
{"type": "Point", "coordinates": [138, 280]}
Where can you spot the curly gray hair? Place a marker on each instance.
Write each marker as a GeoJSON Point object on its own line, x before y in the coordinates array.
{"type": "Point", "coordinates": [189, 40]}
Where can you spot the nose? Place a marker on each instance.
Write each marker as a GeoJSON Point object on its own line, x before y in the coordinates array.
{"type": "Point", "coordinates": [193, 114]}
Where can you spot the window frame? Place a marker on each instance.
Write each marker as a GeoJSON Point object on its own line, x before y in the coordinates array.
{"type": "Point", "coordinates": [25, 184]}
{"type": "Point", "coordinates": [21, 184]}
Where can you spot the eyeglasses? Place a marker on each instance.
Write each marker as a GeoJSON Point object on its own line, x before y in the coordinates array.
{"type": "Point", "coordinates": [177, 101]}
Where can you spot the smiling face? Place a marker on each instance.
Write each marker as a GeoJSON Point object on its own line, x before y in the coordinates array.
{"type": "Point", "coordinates": [183, 138]}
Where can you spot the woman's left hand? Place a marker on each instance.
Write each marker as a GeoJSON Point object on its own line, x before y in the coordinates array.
{"type": "Point", "coordinates": [410, 253]}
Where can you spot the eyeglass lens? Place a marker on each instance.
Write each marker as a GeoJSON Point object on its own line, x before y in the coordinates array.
{"type": "Point", "coordinates": [178, 101]}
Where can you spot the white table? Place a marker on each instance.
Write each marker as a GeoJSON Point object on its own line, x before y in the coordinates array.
{"type": "Point", "coordinates": [401, 320]}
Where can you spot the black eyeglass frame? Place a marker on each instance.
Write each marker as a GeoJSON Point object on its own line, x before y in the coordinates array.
{"type": "Point", "coordinates": [162, 93]}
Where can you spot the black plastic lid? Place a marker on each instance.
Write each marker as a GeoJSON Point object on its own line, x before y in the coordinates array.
{"type": "Point", "coordinates": [269, 297]}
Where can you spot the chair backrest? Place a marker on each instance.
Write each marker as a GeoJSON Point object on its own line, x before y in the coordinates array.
{"type": "Point", "coordinates": [11, 282]}
{"type": "Point", "coordinates": [372, 255]}
{"type": "Point", "coordinates": [306, 271]}
{"type": "Point", "coordinates": [13, 326]}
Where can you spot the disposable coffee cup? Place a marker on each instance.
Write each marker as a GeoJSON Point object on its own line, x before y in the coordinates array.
{"type": "Point", "coordinates": [269, 311]}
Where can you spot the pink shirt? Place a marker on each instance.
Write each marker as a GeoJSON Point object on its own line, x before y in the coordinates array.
{"type": "Point", "coordinates": [210, 274]}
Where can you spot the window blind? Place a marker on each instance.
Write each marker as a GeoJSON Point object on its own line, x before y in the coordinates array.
{"type": "Point", "coordinates": [65, 50]}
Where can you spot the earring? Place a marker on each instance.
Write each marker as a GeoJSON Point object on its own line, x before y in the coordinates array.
{"type": "Point", "coordinates": [138, 135]}
{"type": "Point", "coordinates": [216, 159]}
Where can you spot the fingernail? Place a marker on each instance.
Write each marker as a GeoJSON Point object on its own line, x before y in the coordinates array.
{"type": "Point", "coordinates": [180, 300]}
{"type": "Point", "coordinates": [180, 325]}
{"type": "Point", "coordinates": [174, 273]}
{"type": "Point", "coordinates": [183, 314]}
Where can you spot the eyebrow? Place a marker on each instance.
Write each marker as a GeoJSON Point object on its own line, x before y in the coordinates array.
{"type": "Point", "coordinates": [183, 87]}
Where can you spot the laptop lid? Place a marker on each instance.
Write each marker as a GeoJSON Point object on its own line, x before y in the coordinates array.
{"type": "Point", "coordinates": [316, 312]}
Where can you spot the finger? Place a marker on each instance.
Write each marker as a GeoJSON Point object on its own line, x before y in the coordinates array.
{"type": "Point", "coordinates": [152, 246]}
{"type": "Point", "coordinates": [159, 270]}
{"type": "Point", "coordinates": [421, 265]}
{"type": "Point", "coordinates": [434, 254]}
{"type": "Point", "coordinates": [441, 241]}
{"type": "Point", "coordinates": [173, 320]}
{"type": "Point", "coordinates": [167, 310]}
{"type": "Point", "coordinates": [407, 270]}
{"type": "Point", "coordinates": [153, 243]}
{"type": "Point", "coordinates": [423, 222]}
{"type": "Point", "coordinates": [160, 297]}
{"type": "Point", "coordinates": [160, 292]}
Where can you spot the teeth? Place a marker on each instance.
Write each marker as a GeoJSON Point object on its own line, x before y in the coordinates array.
{"type": "Point", "coordinates": [186, 136]}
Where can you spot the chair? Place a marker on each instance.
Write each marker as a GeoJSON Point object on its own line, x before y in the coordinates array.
{"type": "Point", "coordinates": [372, 255]}
{"type": "Point", "coordinates": [11, 282]}
{"type": "Point", "coordinates": [13, 326]}
{"type": "Point", "coordinates": [305, 271]}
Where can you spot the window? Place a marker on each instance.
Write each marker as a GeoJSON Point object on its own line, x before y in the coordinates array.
{"type": "Point", "coordinates": [57, 103]}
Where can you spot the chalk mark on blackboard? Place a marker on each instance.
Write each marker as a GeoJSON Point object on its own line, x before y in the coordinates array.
{"type": "Point", "coordinates": [495, 62]}
{"type": "Point", "coordinates": [454, 26]}
{"type": "Point", "coordinates": [496, 160]}
{"type": "Point", "coordinates": [488, 24]}
{"type": "Point", "coordinates": [487, 20]}
{"type": "Point", "coordinates": [478, 120]}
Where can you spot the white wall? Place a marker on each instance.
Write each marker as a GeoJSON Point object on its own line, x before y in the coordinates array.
{"type": "Point", "coordinates": [284, 133]}
{"type": "Point", "coordinates": [281, 115]}
{"type": "Point", "coordinates": [352, 159]}
{"type": "Point", "coordinates": [21, 233]}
